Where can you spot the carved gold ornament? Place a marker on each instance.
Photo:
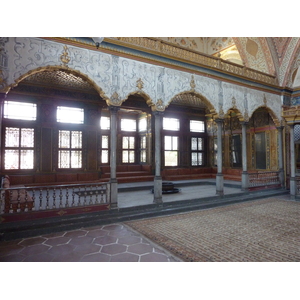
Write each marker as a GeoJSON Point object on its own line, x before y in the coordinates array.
{"type": "Point", "coordinates": [265, 100]}
{"type": "Point", "coordinates": [115, 99]}
{"type": "Point", "coordinates": [192, 83]}
{"type": "Point", "coordinates": [233, 103]}
{"type": "Point", "coordinates": [65, 58]}
{"type": "Point", "coordinates": [160, 105]}
{"type": "Point", "coordinates": [139, 84]}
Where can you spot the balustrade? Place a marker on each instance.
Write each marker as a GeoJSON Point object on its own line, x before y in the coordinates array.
{"type": "Point", "coordinates": [41, 198]}
{"type": "Point", "coordinates": [260, 179]}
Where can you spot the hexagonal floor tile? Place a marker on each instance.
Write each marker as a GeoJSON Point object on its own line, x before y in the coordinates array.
{"type": "Point", "coordinates": [32, 241]}
{"type": "Point", "coordinates": [57, 241]}
{"type": "Point", "coordinates": [87, 249]}
{"type": "Point", "coordinates": [105, 240]}
{"type": "Point", "coordinates": [41, 257]}
{"type": "Point", "coordinates": [61, 249]}
{"type": "Point", "coordinates": [125, 257]}
{"type": "Point", "coordinates": [113, 249]}
{"type": "Point", "coordinates": [97, 257]}
{"type": "Point", "coordinates": [35, 249]}
{"type": "Point", "coordinates": [140, 249]}
{"type": "Point", "coordinates": [129, 240]}
{"type": "Point", "coordinates": [154, 257]}
{"type": "Point", "coordinates": [97, 233]}
{"type": "Point", "coordinates": [81, 240]}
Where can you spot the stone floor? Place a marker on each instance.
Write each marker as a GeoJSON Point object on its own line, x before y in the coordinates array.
{"type": "Point", "coordinates": [108, 243]}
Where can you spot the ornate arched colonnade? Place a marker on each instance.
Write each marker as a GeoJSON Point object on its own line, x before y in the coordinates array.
{"type": "Point", "coordinates": [116, 78]}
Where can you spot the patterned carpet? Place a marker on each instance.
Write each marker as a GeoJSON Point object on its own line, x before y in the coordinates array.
{"type": "Point", "coordinates": [258, 231]}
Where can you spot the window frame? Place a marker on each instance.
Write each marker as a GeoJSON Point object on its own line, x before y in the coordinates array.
{"type": "Point", "coordinates": [69, 149]}
{"type": "Point", "coordinates": [19, 148]}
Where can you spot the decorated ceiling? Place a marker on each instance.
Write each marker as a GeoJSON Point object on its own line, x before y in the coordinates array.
{"type": "Point", "coordinates": [278, 56]}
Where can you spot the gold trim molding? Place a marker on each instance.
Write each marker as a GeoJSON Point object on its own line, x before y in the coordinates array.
{"type": "Point", "coordinates": [291, 114]}
{"type": "Point", "coordinates": [165, 49]}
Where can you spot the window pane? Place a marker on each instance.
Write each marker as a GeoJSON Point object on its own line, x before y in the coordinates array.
{"type": "Point", "coordinates": [125, 156]}
{"type": "Point", "coordinates": [12, 137]}
{"type": "Point", "coordinates": [171, 158]}
{"type": "Point", "coordinates": [76, 159]}
{"type": "Point", "coordinates": [143, 124]}
{"type": "Point", "coordinates": [11, 159]}
{"type": "Point", "coordinates": [26, 161]}
{"type": "Point", "coordinates": [175, 143]}
{"type": "Point", "coordinates": [104, 156]}
{"type": "Point", "coordinates": [70, 115]}
{"type": "Point", "coordinates": [143, 142]}
{"type": "Point", "coordinates": [143, 156]}
{"type": "Point", "coordinates": [63, 159]}
{"type": "Point", "coordinates": [27, 137]}
{"type": "Point", "coordinates": [76, 141]}
{"type": "Point", "coordinates": [105, 141]}
{"type": "Point", "coordinates": [131, 142]}
{"type": "Point", "coordinates": [64, 139]}
{"type": "Point", "coordinates": [105, 123]}
{"type": "Point", "coordinates": [19, 110]}
{"type": "Point", "coordinates": [200, 159]}
{"type": "Point", "coordinates": [197, 126]}
{"type": "Point", "coordinates": [200, 144]}
{"type": "Point", "coordinates": [128, 125]}
{"type": "Point", "coordinates": [194, 144]}
{"type": "Point", "coordinates": [194, 159]}
{"type": "Point", "coordinates": [168, 143]}
{"type": "Point", "coordinates": [171, 124]}
{"type": "Point", "coordinates": [131, 157]}
{"type": "Point", "coordinates": [125, 142]}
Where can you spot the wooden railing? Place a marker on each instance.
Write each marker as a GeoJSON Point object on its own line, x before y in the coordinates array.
{"type": "Point", "coordinates": [263, 179]}
{"type": "Point", "coordinates": [46, 198]}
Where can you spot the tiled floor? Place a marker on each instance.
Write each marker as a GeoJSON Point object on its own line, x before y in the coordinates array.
{"type": "Point", "coordinates": [108, 243]}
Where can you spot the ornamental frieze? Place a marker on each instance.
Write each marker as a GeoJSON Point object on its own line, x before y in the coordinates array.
{"type": "Point", "coordinates": [115, 77]}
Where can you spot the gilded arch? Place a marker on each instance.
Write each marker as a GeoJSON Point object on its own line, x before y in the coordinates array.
{"type": "Point", "coordinates": [271, 113]}
{"type": "Point", "coordinates": [118, 102]}
{"type": "Point", "coordinates": [193, 99]}
{"type": "Point", "coordinates": [64, 69]}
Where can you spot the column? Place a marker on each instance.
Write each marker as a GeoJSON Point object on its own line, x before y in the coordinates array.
{"type": "Point", "coordinates": [280, 155]}
{"type": "Point", "coordinates": [158, 147]}
{"type": "Point", "coordinates": [113, 157]}
{"type": "Point", "coordinates": [219, 176]}
{"type": "Point", "coordinates": [2, 98]}
{"type": "Point", "coordinates": [293, 163]}
{"type": "Point", "coordinates": [245, 175]}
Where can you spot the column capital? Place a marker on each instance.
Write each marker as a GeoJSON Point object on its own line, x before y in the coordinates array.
{"type": "Point", "coordinates": [157, 113]}
{"type": "Point", "coordinates": [113, 109]}
{"type": "Point", "coordinates": [219, 120]}
{"type": "Point", "coordinates": [244, 123]}
{"type": "Point", "coordinates": [279, 127]}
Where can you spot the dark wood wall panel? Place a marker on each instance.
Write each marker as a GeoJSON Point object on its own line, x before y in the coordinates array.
{"type": "Point", "coordinates": [46, 153]}
{"type": "Point", "coordinates": [92, 150]}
